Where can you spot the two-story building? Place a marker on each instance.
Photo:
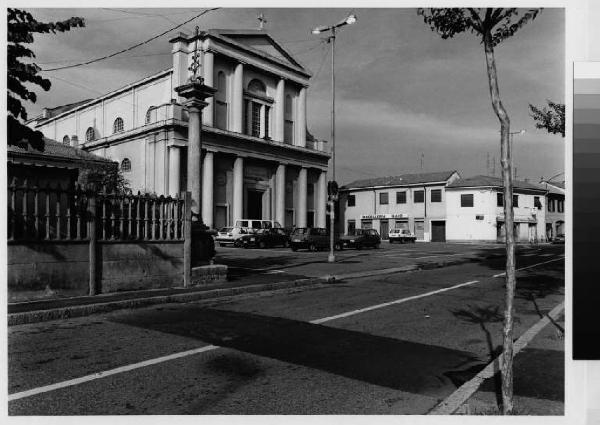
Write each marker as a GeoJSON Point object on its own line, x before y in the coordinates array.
{"type": "Point", "coordinates": [555, 211]}
{"type": "Point", "coordinates": [259, 161]}
{"type": "Point", "coordinates": [413, 201]}
{"type": "Point", "coordinates": [475, 212]}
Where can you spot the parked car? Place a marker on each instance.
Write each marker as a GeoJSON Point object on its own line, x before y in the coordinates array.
{"type": "Point", "coordinates": [312, 238]}
{"type": "Point", "coordinates": [558, 239]}
{"type": "Point", "coordinates": [252, 224]}
{"type": "Point", "coordinates": [264, 238]}
{"type": "Point", "coordinates": [229, 235]}
{"type": "Point", "coordinates": [360, 238]}
{"type": "Point", "coordinates": [401, 236]}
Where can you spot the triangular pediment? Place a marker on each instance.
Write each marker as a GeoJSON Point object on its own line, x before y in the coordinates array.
{"type": "Point", "coordinates": [260, 41]}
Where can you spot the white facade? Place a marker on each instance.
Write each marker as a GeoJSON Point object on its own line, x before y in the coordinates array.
{"type": "Point", "coordinates": [419, 204]}
{"type": "Point", "coordinates": [257, 161]}
{"type": "Point", "coordinates": [484, 221]}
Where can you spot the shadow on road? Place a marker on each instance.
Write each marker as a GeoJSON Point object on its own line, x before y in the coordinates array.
{"type": "Point", "coordinates": [402, 365]}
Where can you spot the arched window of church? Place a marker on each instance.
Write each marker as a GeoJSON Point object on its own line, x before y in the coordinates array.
{"type": "Point", "coordinates": [118, 125]}
{"type": "Point", "coordinates": [126, 165]}
{"type": "Point", "coordinates": [151, 115]}
{"type": "Point", "coordinates": [90, 134]}
{"type": "Point", "coordinates": [221, 110]}
{"type": "Point", "coordinates": [257, 87]}
{"type": "Point", "coordinates": [66, 140]}
{"type": "Point", "coordinates": [288, 112]}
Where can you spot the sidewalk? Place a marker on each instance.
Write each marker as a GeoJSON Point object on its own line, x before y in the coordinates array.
{"type": "Point", "coordinates": [62, 308]}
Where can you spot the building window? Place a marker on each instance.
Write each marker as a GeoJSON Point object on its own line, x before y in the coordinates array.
{"type": "Point", "coordinates": [288, 131]}
{"type": "Point", "coordinates": [436, 195]}
{"type": "Point", "coordinates": [401, 197]}
{"type": "Point", "coordinates": [383, 198]}
{"type": "Point", "coordinates": [561, 205]}
{"type": "Point", "coordinates": [255, 117]}
{"type": "Point", "coordinates": [537, 203]}
{"type": "Point", "coordinates": [118, 125]}
{"type": "Point", "coordinates": [500, 199]}
{"type": "Point", "coordinates": [515, 201]}
{"type": "Point", "coordinates": [267, 122]}
{"type": "Point", "coordinates": [550, 205]}
{"type": "Point", "coordinates": [419, 196]}
{"type": "Point", "coordinates": [66, 140]}
{"type": "Point", "coordinates": [466, 200]}
{"type": "Point", "coordinates": [351, 226]}
{"type": "Point", "coordinates": [90, 134]}
{"type": "Point", "coordinates": [351, 200]}
{"type": "Point", "coordinates": [366, 224]}
{"type": "Point", "coordinates": [221, 109]}
{"type": "Point", "coordinates": [151, 115]}
{"type": "Point", "coordinates": [126, 165]}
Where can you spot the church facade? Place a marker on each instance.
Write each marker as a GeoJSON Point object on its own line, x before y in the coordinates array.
{"type": "Point", "coordinates": [259, 161]}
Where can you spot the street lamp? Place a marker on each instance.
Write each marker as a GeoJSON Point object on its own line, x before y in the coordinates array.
{"type": "Point", "coordinates": [349, 20]}
{"type": "Point", "coordinates": [520, 132]}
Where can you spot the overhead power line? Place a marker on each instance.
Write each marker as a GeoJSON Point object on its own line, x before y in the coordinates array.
{"type": "Point", "coordinates": [132, 47]}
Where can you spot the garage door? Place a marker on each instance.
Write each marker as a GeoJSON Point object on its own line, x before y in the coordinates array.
{"type": "Point", "coordinates": [438, 231]}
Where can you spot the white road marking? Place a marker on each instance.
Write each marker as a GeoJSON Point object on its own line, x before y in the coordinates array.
{"type": "Point", "coordinates": [533, 265]}
{"type": "Point", "coordinates": [400, 301]}
{"type": "Point", "coordinates": [440, 255]}
{"type": "Point", "coordinates": [465, 391]}
{"type": "Point", "coordinates": [274, 271]}
{"type": "Point", "coordinates": [98, 375]}
{"type": "Point", "coordinates": [158, 360]}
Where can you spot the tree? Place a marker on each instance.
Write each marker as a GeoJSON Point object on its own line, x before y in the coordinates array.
{"type": "Point", "coordinates": [551, 118]}
{"type": "Point", "coordinates": [21, 27]}
{"type": "Point", "coordinates": [492, 26]}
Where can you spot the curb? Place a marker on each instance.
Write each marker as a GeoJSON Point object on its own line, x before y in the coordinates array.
{"type": "Point", "coordinates": [36, 316]}
{"type": "Point", "coordinates": [453, 402]}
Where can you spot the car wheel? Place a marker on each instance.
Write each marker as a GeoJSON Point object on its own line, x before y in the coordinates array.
{"type": "Point", "coordinates": [262, 245]}
{"type": "Point", "coordinates": [338, 247]}
{"type": "Point", "coordinates": [358, 246]}
{"type": "Point", "coordinates": [221, 244]}
{"type": "Point", "coordinates": [286, 244]}
{"type": "Point", "coordinates": [377, 245]}
{"type": "Point", "coordinates": [237, 244]}
{"type": "Point", "coordinates": [294, 248]}
{"type": "Point", "coordinates": [312, 247]}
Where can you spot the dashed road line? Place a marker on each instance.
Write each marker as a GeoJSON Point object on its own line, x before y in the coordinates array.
{"type": "Point", "coordinates": [158, 360]}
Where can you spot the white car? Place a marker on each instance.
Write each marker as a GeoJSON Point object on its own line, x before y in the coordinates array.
{"type": "Point", "coordinates": [230, 235]}
{"type": "Point", "coordinates": [401, 235]}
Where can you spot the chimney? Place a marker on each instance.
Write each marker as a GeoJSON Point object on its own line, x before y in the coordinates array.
{"type": "Point", "coordinates": [74, 141]}
{"type": "Point", "coordinates": [45, 113]}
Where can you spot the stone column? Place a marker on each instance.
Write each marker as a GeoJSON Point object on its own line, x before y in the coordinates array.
{"type": "Point", "coordinates": [207, 189]}
{"type": "Point", "coordinates": [302, 191]}
{"type": "Point", "coordinates": [208, 74]}
{"type": "Point", "coordinates": [280, 194]}
{"type": "Point", "coordinates": [301, 118]}
{"type": "Point", "coordinates": [238, 99]}
{"type": "Point", "coordinates": [238, 189]}
{"type": "Point", "coordinates": [174, 170]}
{"type": "Point", "coordinates": [279, 111]}
{"type": "Point", "coordinates": [322, 199]}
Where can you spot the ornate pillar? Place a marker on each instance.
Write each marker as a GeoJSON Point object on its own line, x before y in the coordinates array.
{"type": "Point", "coordinates": [322, 199]}
{"type": "Point", "coordinates": [208, 74]}
{"type": "Point", "coordinates": [238, 98]}
{"type": "Point", "coordinates": [280, 194]}
{"type": "Point", "coordinates": [279, 111]}
{"type": "Point", "coordinates": [301, 118]}
{"type": "Point", "coordinates": [302, 191]}
{"type": "Point", "coordinates": [174, 170]}
{"type": "Point", "coordinates": [207, 189]}
{"type": "Point", "coordinates": [238, 189]}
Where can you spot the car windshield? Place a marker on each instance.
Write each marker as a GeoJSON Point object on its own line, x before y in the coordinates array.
{"type": "Point", "coordinates": [261, 231]}
{"type": "Point", "coordinates": [357, 232]}
{"type": "Point", "coordinates": [226, 229]}
{"type": "Point", "coordinates": [300, 231]}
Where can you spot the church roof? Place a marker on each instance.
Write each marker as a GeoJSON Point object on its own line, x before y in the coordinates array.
{"type": "Point", "coordinates": [53, 152]}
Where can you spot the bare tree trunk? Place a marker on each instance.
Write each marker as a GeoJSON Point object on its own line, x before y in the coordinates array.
{"type": "Point", "coordinates": [507, 355]}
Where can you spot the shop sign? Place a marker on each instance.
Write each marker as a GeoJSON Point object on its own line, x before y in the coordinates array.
{"type": "Point", "coordinates": [382, 216]}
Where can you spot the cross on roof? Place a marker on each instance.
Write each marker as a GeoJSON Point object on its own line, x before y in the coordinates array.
{"type": "Point", "coordinates": [262, 20]}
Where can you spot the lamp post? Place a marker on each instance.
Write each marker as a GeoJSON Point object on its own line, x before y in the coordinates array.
{"type": "Point", "coordinates": [332, 195]}
{"type": "Point", "coordinates": [520, 132]}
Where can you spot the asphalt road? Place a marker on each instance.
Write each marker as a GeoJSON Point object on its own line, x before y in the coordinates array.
{"type": "Point", "coordinates": [391, 344]}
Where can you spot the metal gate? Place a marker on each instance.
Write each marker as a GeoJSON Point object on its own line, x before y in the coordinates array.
{"type": "Point", "coordinates": [438, 231]}
{"type": "Point", "coordinates": [384, 229]}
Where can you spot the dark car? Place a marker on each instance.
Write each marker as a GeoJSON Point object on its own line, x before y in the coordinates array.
{"type": "Point", "coordinates": [558, 239]}
{"type": "Point", "coordinates": [311, 238]}
{"type": "Point", "coordinates": [264, 238]}
{"type": "Point", "coordinates": [360, 238]}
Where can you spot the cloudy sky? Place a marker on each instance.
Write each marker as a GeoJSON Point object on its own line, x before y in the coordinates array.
{"type": "Point", "coordinates": [401, 91]}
